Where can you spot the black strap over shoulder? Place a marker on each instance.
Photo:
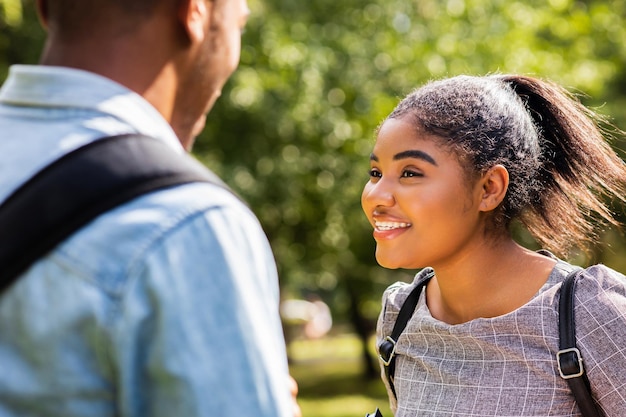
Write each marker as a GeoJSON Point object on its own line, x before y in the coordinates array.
{"type": "Point", "coordinates": [387, 349]}
{"type": "Point", "coordinates": [67, 194]}
{"type": "Point", "coordinates": [569, 359]}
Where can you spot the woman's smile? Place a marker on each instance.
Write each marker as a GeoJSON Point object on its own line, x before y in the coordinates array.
{"type": "Point", "coordinates": [389, 229]}
{"type": "Point", "coordinates": [385, 226]}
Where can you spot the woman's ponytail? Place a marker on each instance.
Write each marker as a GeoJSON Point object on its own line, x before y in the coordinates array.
{"type": "Point", "coordinates": [578, 169]}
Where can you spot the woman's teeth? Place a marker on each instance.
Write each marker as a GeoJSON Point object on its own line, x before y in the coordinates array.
{"type": "Point", "coordinates": [391, 225]}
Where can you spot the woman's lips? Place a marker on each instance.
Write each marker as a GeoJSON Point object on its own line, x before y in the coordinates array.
{"type": "Point", "coordinates": [389, 229]}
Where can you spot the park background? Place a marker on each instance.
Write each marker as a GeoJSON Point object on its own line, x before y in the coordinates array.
{"type": "Point", "coordinates": [295, 125]}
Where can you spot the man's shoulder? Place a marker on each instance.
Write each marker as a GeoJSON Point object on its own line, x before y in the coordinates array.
{"type": "Point", "coordinates": [163, 210]}
{"type": "Point", "coordinates": [178, 203]}
{"type": "Point", "coordinates": [115, 242]}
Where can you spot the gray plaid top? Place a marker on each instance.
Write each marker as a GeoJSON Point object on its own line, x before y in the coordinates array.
{"type": "Point", "coordinates": [506, 365]}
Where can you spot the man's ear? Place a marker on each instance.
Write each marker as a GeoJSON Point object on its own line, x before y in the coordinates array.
{"type": "Point", "coordinates": [494, 186]}
{"type": "Point", "coordinates": [42, 12]}
{"type": "Point", "coordinates": [194, 16]}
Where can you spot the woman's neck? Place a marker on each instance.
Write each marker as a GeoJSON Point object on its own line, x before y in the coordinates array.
{"type": "Point", "coordinates": [493, 283]}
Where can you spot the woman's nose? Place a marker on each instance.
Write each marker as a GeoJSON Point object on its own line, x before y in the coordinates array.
{"type": "Point", "coordinates": [378, 193]}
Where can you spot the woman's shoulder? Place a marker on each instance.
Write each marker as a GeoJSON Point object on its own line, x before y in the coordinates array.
{"type": "Point", "coordinates": [396, 294]}
{"type": "Point", "coordinates": [600, 317]}
{"type": "Point", "coordinates": [600, 295]}
{"type": "Point", "coordinates": [595, 278]}
{"type": "Point", "coordinates": [600, 281]}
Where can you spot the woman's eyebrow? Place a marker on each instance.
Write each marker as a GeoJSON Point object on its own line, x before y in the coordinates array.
{"type": "Point", "coordinates": [415, 154]}
{"type": "Point", "coordinates": [409, 154]}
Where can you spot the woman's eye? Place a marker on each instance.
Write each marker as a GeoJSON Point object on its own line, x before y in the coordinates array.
{"type": "Point", "coordinates": [410, 174]}
{"type": "Point", "coordinates": [374, 173]}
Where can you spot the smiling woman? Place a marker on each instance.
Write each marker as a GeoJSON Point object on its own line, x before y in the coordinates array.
{"type": "Point", "coordinates": [415, 198]}
{"type": "Point", "coordinates": [453, 166]}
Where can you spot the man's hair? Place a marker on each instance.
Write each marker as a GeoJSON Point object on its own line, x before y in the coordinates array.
{"type": "Point", "coordinates": [71, 18]}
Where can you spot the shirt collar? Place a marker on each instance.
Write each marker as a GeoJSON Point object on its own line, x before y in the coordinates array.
{"type": "Point", "coordinates": [61, 87]}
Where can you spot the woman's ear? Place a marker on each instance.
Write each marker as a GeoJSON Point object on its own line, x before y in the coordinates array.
{"type": "Point", "coordinates": [194, 16]}
{"type": "Point", "coordinates": [494, 185]}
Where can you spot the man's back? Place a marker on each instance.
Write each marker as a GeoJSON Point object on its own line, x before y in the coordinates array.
{"type": "Point", "coordinates": [148, 310]}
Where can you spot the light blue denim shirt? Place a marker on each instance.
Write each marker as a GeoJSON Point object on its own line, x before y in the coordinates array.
{"type": "Point", "coordinates": [165, 306]}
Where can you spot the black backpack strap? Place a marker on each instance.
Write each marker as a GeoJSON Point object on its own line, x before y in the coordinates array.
{"type": "Point", "coordinates": [68, 193]}
{"type": "Point", "coordinates": [569, 359]}
{"type": "Point", "coordinates": [387, 348]}
{"type": "Point", "coordinates": [376, 413]}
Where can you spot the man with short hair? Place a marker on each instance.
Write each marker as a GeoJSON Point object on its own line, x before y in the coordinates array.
{"type": "Point", "coordinates": [168, 304]}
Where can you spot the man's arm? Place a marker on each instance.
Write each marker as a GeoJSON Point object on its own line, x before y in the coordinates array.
{"type": "Point", "coordinates": [198, 332]}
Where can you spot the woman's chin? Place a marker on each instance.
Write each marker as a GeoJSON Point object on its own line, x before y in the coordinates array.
{"type": "Point", "coordinates": [385, 262]}
{"type": "Point", "coordinates": [395, 263]}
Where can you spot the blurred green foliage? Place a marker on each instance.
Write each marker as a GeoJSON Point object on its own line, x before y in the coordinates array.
{"type": "Point", "coordinates": [337, 389]}
{"type": "Point", "coordinates": [11, 12]}
{"type": "Point", "coordinates": [295, 124]}
{"type": "Point", "coordinates": [330, 378]}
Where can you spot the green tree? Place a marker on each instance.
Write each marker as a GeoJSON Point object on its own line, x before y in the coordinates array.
{"type": "Point", "coordinates": [21, 36]}
{"type": "Point", "coordinates": [11, 12]}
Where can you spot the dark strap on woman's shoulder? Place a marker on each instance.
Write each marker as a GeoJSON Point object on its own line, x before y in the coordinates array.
{"type": "Point", "coordinates": [569, 359]}
{"type": "Point", "coordinates": [387, 348]}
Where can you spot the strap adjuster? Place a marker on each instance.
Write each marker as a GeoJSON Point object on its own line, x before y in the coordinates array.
{"type": "Point", "coordinates": [570, 361]}
{"type": "Point", "coordinates": [387, 350]}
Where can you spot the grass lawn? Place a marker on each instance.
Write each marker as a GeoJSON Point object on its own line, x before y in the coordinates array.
{"type": "Point", "coordinates": [330, 379]}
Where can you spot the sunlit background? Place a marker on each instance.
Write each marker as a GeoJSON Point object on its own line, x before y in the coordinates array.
{"type": "Point", "coordinates": [294, 127]}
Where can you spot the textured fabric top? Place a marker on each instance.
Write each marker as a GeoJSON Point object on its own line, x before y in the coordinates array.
{"type": "Point", "coordinates": [506, 365]}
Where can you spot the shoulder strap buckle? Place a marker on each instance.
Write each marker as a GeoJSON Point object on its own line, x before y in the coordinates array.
{"type": "Point", "coordinates": [387, 350]}
{"type": "Point", "coordinates": [570, 363]}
